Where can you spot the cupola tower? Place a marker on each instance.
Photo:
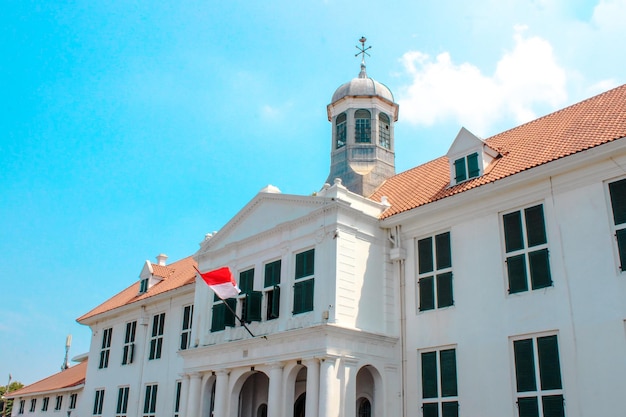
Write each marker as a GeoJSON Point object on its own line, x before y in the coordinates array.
{"type": "Point", "coordinates": [362, 113]}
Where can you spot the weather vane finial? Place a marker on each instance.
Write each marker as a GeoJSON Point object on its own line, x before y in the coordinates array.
{"type": "Point", "coordinates": [362, 50]}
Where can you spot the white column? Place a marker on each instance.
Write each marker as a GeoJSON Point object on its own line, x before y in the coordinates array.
{"type": "Point", "coordinates": [221, 394]}
{"type": "Point", "coordinates": [312, 387]}
{"type": "Point", "coordinates": [184, 395]}
{"type": "Point", "coordinates": [329, 394]}
{"type": "Point", "coordinates": [350, 370]}
{"type": "Point", "coordinates": [193, 399]}
{"type": "Point", "coordinates": [275, 394]}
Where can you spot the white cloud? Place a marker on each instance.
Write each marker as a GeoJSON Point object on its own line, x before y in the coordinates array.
{"type": "Point", "coordinates": [526, 77]}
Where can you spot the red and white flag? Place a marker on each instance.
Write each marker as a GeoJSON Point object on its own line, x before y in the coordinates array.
{"type": "Point", "coordinates": [221, 282]}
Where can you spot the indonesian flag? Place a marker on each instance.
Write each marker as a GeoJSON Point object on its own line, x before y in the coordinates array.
{"type": "Point", "coordinates": [221, 282]}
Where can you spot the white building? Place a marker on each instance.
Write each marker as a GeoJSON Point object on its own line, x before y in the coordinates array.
{"type": "Point", "coordinates": [487, 282]}
{"type": "Point", "coordinates": [58, 394]}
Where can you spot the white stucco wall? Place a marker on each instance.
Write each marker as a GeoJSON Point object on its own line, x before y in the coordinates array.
{"type": "Point", "coordinates": [585, 306]}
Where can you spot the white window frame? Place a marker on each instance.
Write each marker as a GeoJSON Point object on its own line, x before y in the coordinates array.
{"type": "Point", "coordinates": [539, 392]}
{"type": "Point", "coordinates": [440, 399]}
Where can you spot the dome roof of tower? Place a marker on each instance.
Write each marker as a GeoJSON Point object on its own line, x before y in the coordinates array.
{"type": "Point", "coordinates": [362, 86]}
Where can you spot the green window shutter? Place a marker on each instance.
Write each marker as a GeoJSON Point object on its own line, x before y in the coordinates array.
{"type": "Point", "coordinates": [273, 303]}
{"type": "Point", "coordinates": [253, 306]}
{"type": "Point", "coordinates": [217, 322]}
{"type": "Point", "coordinates": [450, 409]}
{"type": "Point", "coordinates": [516, 270]}
{"type": "Point", "coordinates": [513, 237]}
{"type": "Point", "coordinates": [535, 226]}
{"type": "Point", "coordinates": [459, 170]}
{"type": "Point", "coordinates": [524, 365]}
{"type": "Point", "coordinates": [429, 375]}
{"type": "Point", "coordinates": [620, 235]}
{"type": "Point", "coordinates": [444, 290]}
{"type": "Point", "coordinates": [430, 410]}
{"type": "Point", "coordinates": [427, 294]}
{"type": "Point", "coordinates": [549, 365]}
{"type": "Point", "coordinates": [272, 273]}
{"type": "Point", "coordinates": [305, 263]}
{"type": "Point", "coordinates": [447, 364]}
{"type": "Point", "coordinates": [539, 269]}
{"type": "Point", "coordinates": [528, 407]}
{"type": "Point", "coordinates": [472, 165]}
{"type": "Point", "coordinates": [425, 255]}
{"type": "Point", "coordinates": [120, 400]}
{"type": "Point", "coordinates": [442, 246]}
{"type": "Point", "coordinates": [618, 201]}
{"type": "Point", "coordinates": [553, 406]}
{"type": "Point", "coordinates": [229, 316]}
{"type": "Point", "coordinates": [303, 296]}
{"type": "Point", "coordinates": [246, 281]}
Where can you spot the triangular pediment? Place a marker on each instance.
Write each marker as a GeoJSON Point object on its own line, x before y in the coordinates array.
{"type": "Point", "coordinates": [266, 211]}
{"type": "Point", "coordinates": [146, 271]}
{"type": "Point", "coordinates": [464, 143]}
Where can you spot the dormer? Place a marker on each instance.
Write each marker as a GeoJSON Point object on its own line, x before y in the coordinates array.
{"type": "Point", "coordinates": [469, 157]}
{"type": "Point", "coordinates": [148, 278]}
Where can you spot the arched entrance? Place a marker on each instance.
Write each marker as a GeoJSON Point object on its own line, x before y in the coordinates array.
{"type": "Point", "coordinates": [253, 395]}
{"type": "Point", "coordinates": [368, 392]}
{"type": "Point", "coordinates": [299, 406]}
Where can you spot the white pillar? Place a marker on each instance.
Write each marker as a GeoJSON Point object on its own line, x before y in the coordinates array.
{"type": "Point", "coordinates": [329, 394]}
{"type": "Point", "coordinates": [350, 371]}
{"type": "Point", "coordinates": [184, 395]}
{"type": "Point", "coordinates": [312, 387]}
{"type": "Point", "coordinates": [221, 394]}
{"type": "Point", "coordinates": [193, 399]}
{"type": "Point", "coordinates": [275, 394]}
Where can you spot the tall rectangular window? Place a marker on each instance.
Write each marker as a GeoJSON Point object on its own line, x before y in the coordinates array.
{"type": "Point", "coordinates": [185, 334]}
{"type": "Point", "coordinates": [434, 272]}
{"type": "Point", "coordinates": [105, 348]}
{"type": "Point", "coordinates": [156, 340]}
{"type": "Point", "coordinates": [22, 405]}
{"type": "Point", "coordinates": [46, 401]}
{"type": "Point", "coordinates": [122, 402]}
{"type": "Point", "coordinates": [439, 383]}
{"type": "Point", "coordinates": [362, 126]}
{"type": "Point", "coordinates": [526, 246]}
{"type": "Point", "coordinates": [98, 402]}
{"type": "Point", "coordinates": [73, 399]}
{"type": "Point", "coordinates": [537, 360]}
{"type": "Point", "coordinates": [149, 404]}
{"type": "Point", "coordinates": [272, 289]}
{"type": "Point", "coordinates": [340, 132]}
{"type": "Point", "coordinates": [177, 398]}
{"type": "Point", "coordinates": [59, 403]}
{"type": "Point", "coordinates": [303, 289]}
{"type": "Point", "coordinates": [33, 405]}
{"type": "Point", "coordinates": [128, 351]}
{"type": "Point", "coordinates": [617, 190]}
{"type": "Point", "coordinates": [250, 300]}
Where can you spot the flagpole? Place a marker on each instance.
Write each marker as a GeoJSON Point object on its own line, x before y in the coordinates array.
{"type": "Point", "coordinates": [237, 317]}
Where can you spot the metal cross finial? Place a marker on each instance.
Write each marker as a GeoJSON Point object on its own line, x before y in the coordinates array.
{"type": "Point", "coordinates": [362, 50]}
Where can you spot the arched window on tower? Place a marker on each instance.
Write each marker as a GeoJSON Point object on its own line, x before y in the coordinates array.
{"type": "Point", "coordinates": [363, 130]}
{"type": "Point", "coordinates": [340, 126]}
{"type": "Point", "coordinates": [384, 138]}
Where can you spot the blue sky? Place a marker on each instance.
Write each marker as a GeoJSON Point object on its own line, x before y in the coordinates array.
{"type": "Point", "coordinates": [129, 129]}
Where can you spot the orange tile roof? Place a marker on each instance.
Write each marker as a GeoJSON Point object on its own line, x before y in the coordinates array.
{"type": "Point", "coordinates": [71, 377]}
{"type": "Point", "coordinates": [590, 123]}
{"type": "Point", "coordinates": [174, 275]}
